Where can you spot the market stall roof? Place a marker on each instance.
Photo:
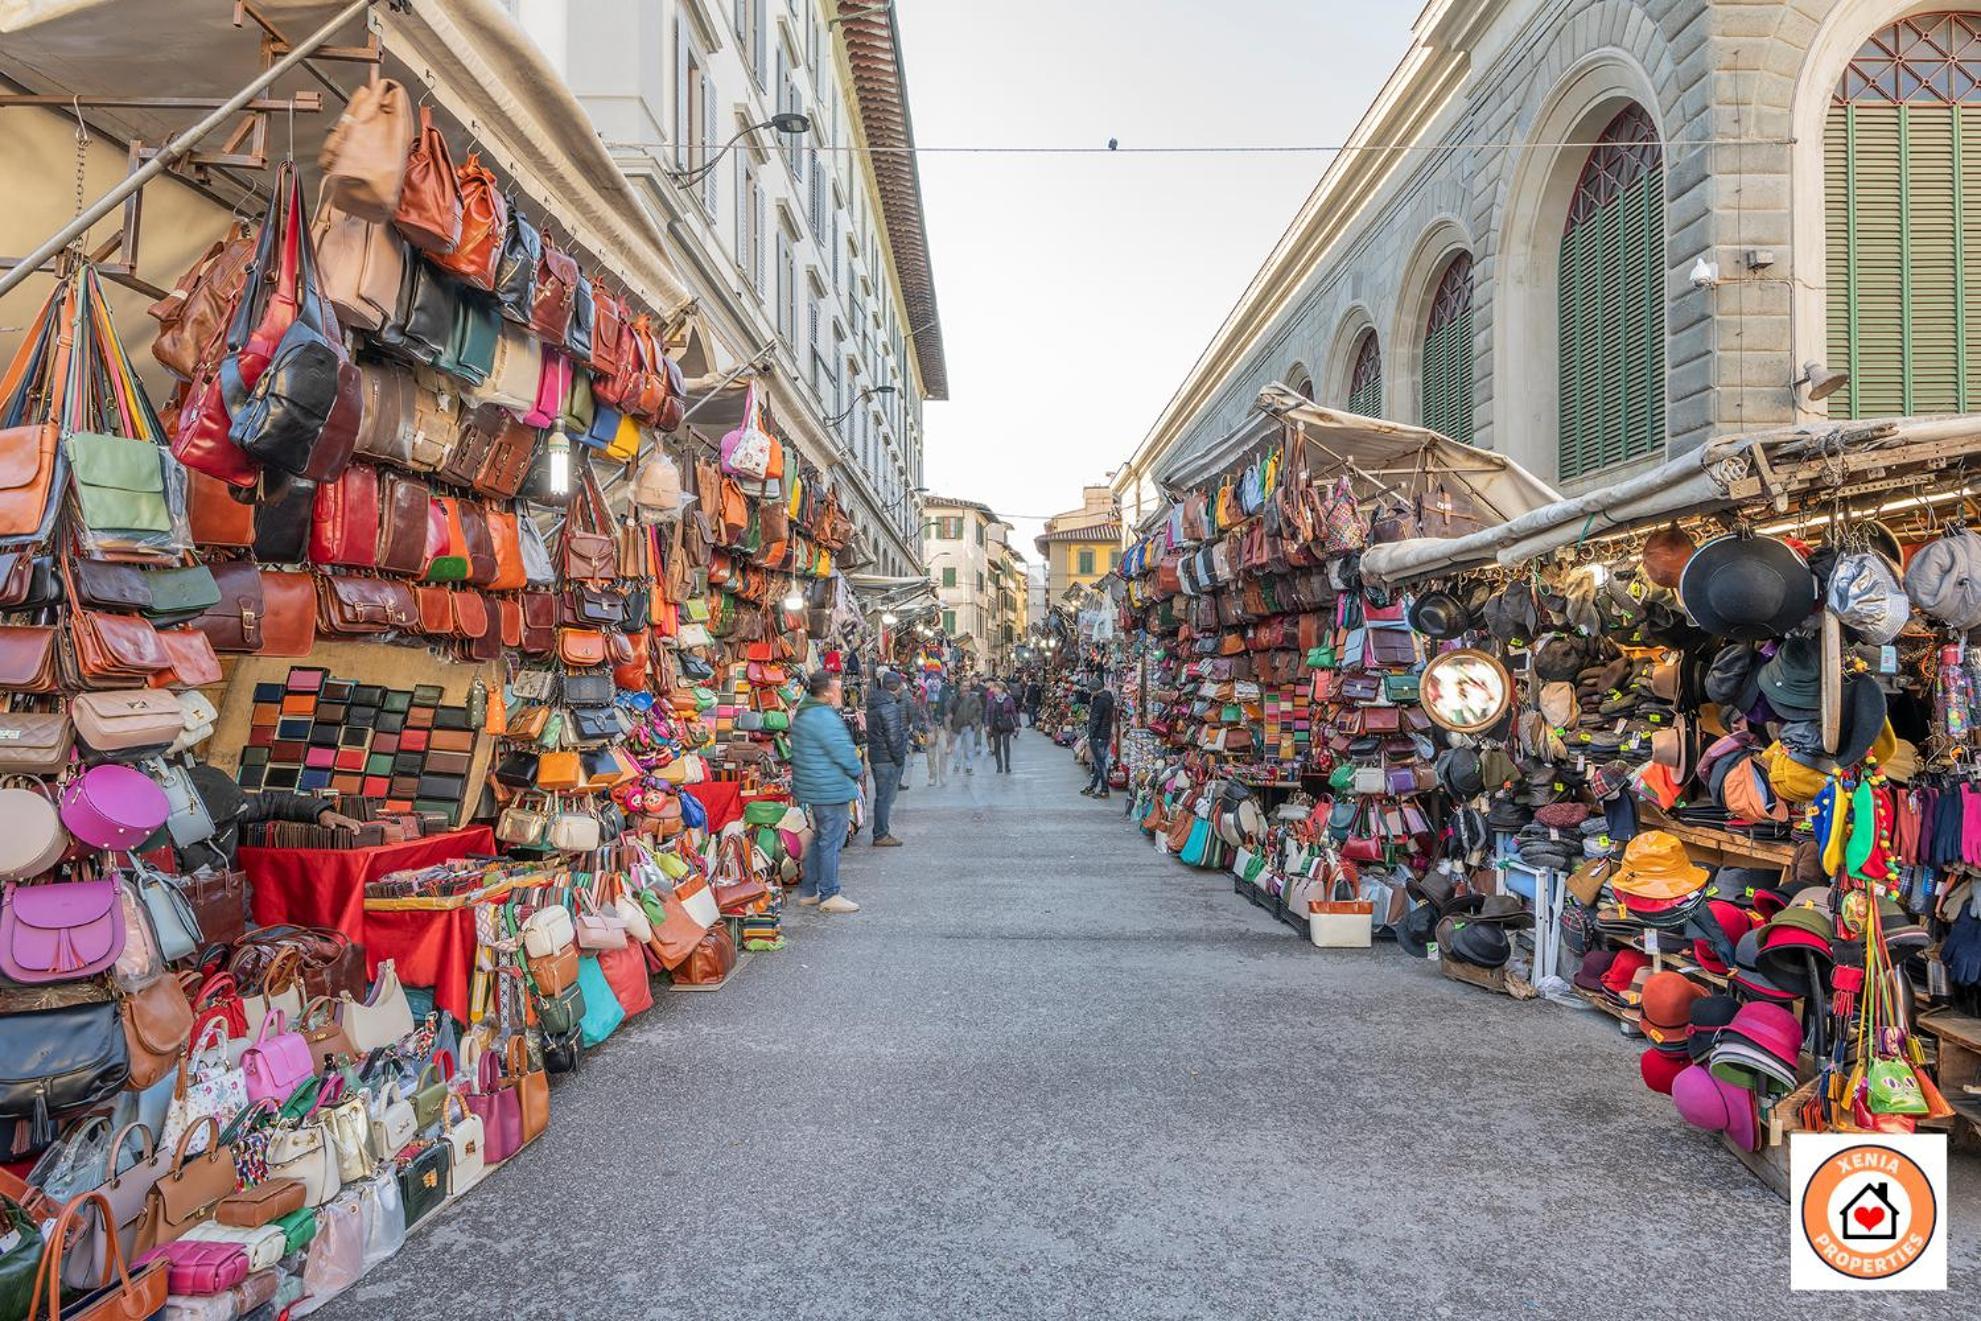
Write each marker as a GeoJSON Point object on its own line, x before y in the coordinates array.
{"type": "Point", "coordinates": [1865, 468]}
{"type": "Point", "coordinates": [480, 67]}
{"type": "Point", "coordinates": [1377, 456]}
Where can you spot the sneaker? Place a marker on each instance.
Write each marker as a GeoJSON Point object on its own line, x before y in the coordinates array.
{"type": "Point", "coordinates": [1087, 792]}
{"type": "Point", "coordinates": [839, 903]}
{"type": "Point", "coordinates": [1103, 794]}
{"type": "Point", "coordinates": [808, 901]}
{"type": "Point", "coordinates": [887, 842]}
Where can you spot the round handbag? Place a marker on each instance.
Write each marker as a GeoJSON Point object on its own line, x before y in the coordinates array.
{"type": "Point", "coordinates": [113, 807]}
{"type": "Point", "coordinates": [34, 839]}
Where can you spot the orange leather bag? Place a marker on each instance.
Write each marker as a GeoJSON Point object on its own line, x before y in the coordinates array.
{"type": "Point", "coordinates": [581, 647]}
{"type": "Point", "coordinates": [631, 672]}
{"type": "Point", "coordinates": [484, 224]}
{"type": "Point", "coordinates": [194, 315]}
{"type": "Point", "coordinates": [505, 533]}
{"type": "Point", "coordinates": [429, 212]}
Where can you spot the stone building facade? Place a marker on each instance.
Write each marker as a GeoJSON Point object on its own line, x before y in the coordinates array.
{"type": "Point", "coordinates": [1511, 247]}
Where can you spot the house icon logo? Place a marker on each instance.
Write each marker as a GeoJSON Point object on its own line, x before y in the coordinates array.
{"type": "Point", "coordinates": [1869, 1216]}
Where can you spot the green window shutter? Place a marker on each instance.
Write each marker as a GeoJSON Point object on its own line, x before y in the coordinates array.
{"type": "Point", "coordinates": [1447, 365]}
{"type": "Point", "coordinates": [1610, 316]}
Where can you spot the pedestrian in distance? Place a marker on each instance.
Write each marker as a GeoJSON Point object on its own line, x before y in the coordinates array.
{"type": "Point", "coordinates": [825, 780]}
{"type": "Point", "coordinates": [887, 752]}
{"type": "Point", "coordinates": [927, 734]}
{"type": "Point", "coordinates": [1001, 719]}
{"type": "Point", "coordinates": [1100, 736]}
{"type": "Point", "coordinates": [966, 721]}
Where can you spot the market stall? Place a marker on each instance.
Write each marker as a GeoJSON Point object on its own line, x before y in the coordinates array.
{"type": "Point", "coordinates": [1694, 750]}
{"type": "Point", "coordinates": [388, 701]}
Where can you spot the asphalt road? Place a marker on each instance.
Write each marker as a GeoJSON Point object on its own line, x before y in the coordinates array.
{"type": "Point", "coordinates": [1048, 1073]}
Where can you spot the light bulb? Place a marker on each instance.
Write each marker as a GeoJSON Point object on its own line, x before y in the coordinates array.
{"type": "Point", "coordinates": [794, 601]}
{"type": "Point", "coordinates": [888, 618]}
{"type": "Point", "coordinates": [560, 464]}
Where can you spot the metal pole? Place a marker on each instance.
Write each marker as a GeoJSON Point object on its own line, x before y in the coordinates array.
{"type": "Point", "coordinates": [177, 147]}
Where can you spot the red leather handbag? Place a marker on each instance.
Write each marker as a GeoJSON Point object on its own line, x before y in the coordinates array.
{"type": "Point", "coordinates": [611, 347]}
{"type": "Point", "coordinates": [344, 523]}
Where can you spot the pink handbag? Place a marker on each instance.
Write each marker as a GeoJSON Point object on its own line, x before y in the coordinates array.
{"type": "Point", "coordinates": [113, 807]}
{"type": "Point", "coordinates": [553, 387]}
{"type": "Point", "coordinates": [276, 1064]}
{"type": "Point", "coordinates": [198, 1267]}
{"type": "Point", "coordinates": [61, 932]}
{"type": "Point", "coordinates": [499, 1108]}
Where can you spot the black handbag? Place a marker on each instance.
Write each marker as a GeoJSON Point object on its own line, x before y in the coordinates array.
{"type": "Point", "coordinates": [584, 315]}
{"type": "Point", "coordinates": [518, 770]}
{"type": "Point", "coordinates": [516, 274]}
{"type": "Point", "coordinates": [53, 1060]}
{"type": "Point", "coordinates": [282, 523]}
{"type": "Point", "coordinates": [562, 1053]}
{"type": "Point", "coordinates": [423, 1182]}
{"type": "Point", "coordinates": [587, 690]}
{"type": "Point", "coordinates": [538, 488]}
{"type": "Point", "coordinates": [280, 422]}
{"type": "Point", "coordinates": [594, 607]}
{"type": "Point", "coordinates": [427, 320]}
{"type": "Point", "coordinates": [596, 722]}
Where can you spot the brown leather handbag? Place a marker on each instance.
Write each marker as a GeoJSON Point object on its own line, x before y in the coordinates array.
{"type": "Point", "coordinates": [611, 346]}
{"type": "Point", "coordinates": [353, 606]}
{"type": "Point", "coordinates": [157, 1023]}
{"type": "Point", "coordinates": [556, 293]}
{"type": "Point", "coordinates": [506, 540]}
{"type": "Point", "coordinates": [27, 658]}
{"type": "Point", "coordinates": [472, 442]}
{"type": "Point", "coordinates": [590, 549]}
{"type": "Point", "coordinates": [507, 462]}
{"type": "Point", "coordinates": [111, 651]}
{"type": "Point", "coordinates": [404, 506]}
{"type": "Point", "coordinates": [484, 225]}
{"type": "Point", "coordinates": [364, 156]}
{"type": "Point", "coordinates": [581, 647]}
{"type": "Point", "coordinates": [288, 624]}
{"type": "Point", "coordinates": [479, 544]}
{"type": "Point", "coordinates": [193, 316]}
{"type": "Point", "coordinates": [386, 427]}
{"type": "Point", "coordinates": [194, 664]}
{"type": "Point", "coordinates": [123, 1292]}
{"type": "Point", "coordinates": [471, 618]}
{"type": "Point", "coordinates": [234, 625]}
{"type": "Point", "coordinates": [219, 900]}
{"type": "Point", "coordinates": [429, 212]}
{"type": "Point", "coordinates": [332, 963]}
{"type": "Point", "coordinates": [190, 1189]}
{"type": "Point", "coordinates": [361, 265]}
{"type": "Point", "coordinates": [436, 610]}
{"type": "Point", "coordinates": [539, 624]}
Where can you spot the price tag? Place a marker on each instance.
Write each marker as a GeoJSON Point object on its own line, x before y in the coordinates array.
{"type": "Point", "coordinates": [1554, 836]}
{"type": "Point", "coordinates": [1888, 659]}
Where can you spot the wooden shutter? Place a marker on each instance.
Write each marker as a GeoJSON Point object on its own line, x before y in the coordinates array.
{"type": "Point", "coordinates": [1447, 370]}
{"type": "Point", "coordinates": [1365, 387]}
{"type": "Point", "coordinates": [684, 75]}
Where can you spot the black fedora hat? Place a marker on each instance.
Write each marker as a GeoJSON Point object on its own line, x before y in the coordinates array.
{"type": "Point", "coordinates": [1417, 930]}
{"type": "Point", "coordinates": [1481, 944]}
{"type": "Point", "coordinates": [1792, 680]}
{"type": "Point", "coordinates": [1747, 588]}
{"type": "Point", "coordinates": [1863, 718]}
{"type": "Point", "coordinates": [1438, 614]}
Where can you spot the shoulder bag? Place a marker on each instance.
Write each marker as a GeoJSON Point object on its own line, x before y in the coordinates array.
{"type": "Point", "coordinates": [429, 210]}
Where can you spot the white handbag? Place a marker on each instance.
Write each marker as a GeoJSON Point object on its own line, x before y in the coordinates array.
{"type": "Point", "coordinates": [393, 1123]}
{"type": "Point", "coordinates": [469, 1158]}
{"type": "Point", "coordinates": [698, 898]}
{"type": "Point", "coordinates": [633, 917]}
{"type": "Point", "coordinates": [210, 1084]}
{"type": "Point", "coordinates": [547, 931]}
{"type": "Point", "coordinates": [573, 832]}
{"type": "Point", "coordinates": [263, 1243]}
{"type": "Point", "coordinates": [382, 1018]}
{"type": "Point", "coordinates": [305, 1155]}
{"type": "Point", "coordinates": [199, 715]}
{"type": "Point", "coordinates": [384, 1211]}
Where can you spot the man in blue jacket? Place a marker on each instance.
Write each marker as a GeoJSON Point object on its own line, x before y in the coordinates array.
{"type": "Point", "coordinates": [825, 779]}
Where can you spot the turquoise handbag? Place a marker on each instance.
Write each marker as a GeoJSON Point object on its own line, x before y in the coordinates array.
{"type": "Point", "coordinates": [120, 483]}
{"type": "Point", "coordinates": [1199, 841]}
{"type": "Point", "coordinates": [603, 1012]}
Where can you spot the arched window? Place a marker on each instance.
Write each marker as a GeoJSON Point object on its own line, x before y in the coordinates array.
{"type": "Point", "coordinates": [1902, 215]}
{"type": "Point", "coordinates": [1448, 353]}
{"type": "Point", "coordinates": [1612, 391]}
{"type": "Point", "coordinates": [1365, 385]}
{"type": "Point", "coordinates": [1302, 383]}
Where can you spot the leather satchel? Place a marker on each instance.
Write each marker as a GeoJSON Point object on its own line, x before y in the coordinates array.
{"type": "Point", "coordinates": [611, 344]}
{"type": "Point", "coordinates": [590, 551]}
{"type": "Point", "coordinates": [477, 255]}
{"type": "Point", "coordinates": [62, 1059]}
{"type": "Point", "coordinates": [234, 623]}
{"type": "Point", "coordinates": [353, 606]}
{"type": "Point", "coordinates": [219, 900]}
{"type": "Point", "coordinates": [193, 316]}
{"type": "Point", "coordinates": [539, 624]}
{"type": "Point", "coordinates": [386, 430]}
{"type": "Point", "coordinates": [555, 293]}
{"type": "Point", "coordinates": [516, 273]}
{"type": "Point", "coordinates": [345, 521]}
{"type": "Point", "coordinates": [253, 1207]}
{"type": "Point", "coordinates": [111, 650]}
{"type": "Point", "coordinates": [429, 211]}
{"type": "Point", "coordinates": [282, 523]}
{"type": "Point", "coordinates": [362, 264]}
{"type": "Point", "coordinates": [471, 617]}
{"type": "Point", "coordinates": [364, 155]}
{"type": "Point", "coordinates": [27, 657]}
{"type": "Point", "coordinates": [480, 544]}
{"type": "Point", "coordinates": [429, 305]}
{"type": "Point", "coordinates": [581, 648]}
{"type": "Point", "coordinates": [189, 1191]}
{"type": "Point", "coordinates": [288, 624]}
{"type": "Point", "coordinates": [472, 442]}
{"type": "Point", "coordinates": [507, 461]}
{"type": "Point", "coordinates": [404, 504]}
{"type": "Point", "coordinates": [436, 609]}
{"type": "Point", "coordinates": [158, 1021]}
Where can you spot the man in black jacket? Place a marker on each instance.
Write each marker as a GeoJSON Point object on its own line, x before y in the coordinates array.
{"type": "Point", "coordinates": [887, 752]}
{"type": "Point", "coordinates": [231, 809]}
{"type": "Point", "coordinates": [1100, 735]}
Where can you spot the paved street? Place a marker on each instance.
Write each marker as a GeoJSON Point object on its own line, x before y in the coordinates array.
{"type": "Point", "coordinates": [1048, 1073]}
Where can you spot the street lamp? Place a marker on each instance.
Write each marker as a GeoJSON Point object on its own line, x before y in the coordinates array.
{"type": "Point", "coordinates": [785, 123]}
{"type": "Point", "coordinates": [859, 399]}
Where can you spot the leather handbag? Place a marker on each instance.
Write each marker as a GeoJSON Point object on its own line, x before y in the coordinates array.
{"type": "Point", "coordinates": [262, 1204]}
{"type": "Point", "coordinates": [126, 719]}
{"type": "Point", "coordinates": [429, 308]}
{"type": "Point", "coordinates": [405, 504]}
{"type": "Point", "coordinates": [539, 623]}
{"type": "Point", "coordinates": [219, 901]}
{"type": "Point", "coordinates": [423, 1182]}
{"type": "Point", "coordinates": [515, 374]}
{"type": "Point", "coordinates": [331, 962]}
{"type": "Point", "coordinates": [288, 623]}
{"type": "Point", "coordinates": [497, 1104]}
{"type": "Point", "coordinates": [27, 657]}
{"type": "Point", "coordinates": [467, 1157]}
{"type": "Point", "coordinates": [507, 462]}
{"type": "Point", "coordinates": [381, 1019]}
{"type": "Point", "coordinates": [393, 1123]}
{"type": "Point", "coordinates": [436, 610]}
{"type": "Point", "coordinates": [387, 428]}
{"type": "Point", "coordinates": [477, 254]}
{"type": "Point", "coordinates": [471, 444]}
{"type": "Point", "coordinates": [429, 210]}
{"type": "Point", "coordinates": [516, 273]}
{"type": "Point", "coordinates": [305, 1154]}
{"type": "Point", "coordinates": [195, 313]}
{"type": "Point", "coordinates": [277, 1062]}
{"type": "Point", "coordinates": [233, 624]}
{"type": "Point", "coordinates": [215, 517]}
{"type": "Point", "coordinates": [325, 1034]}
{"type": "Point", "coordinates": [431, 1090]}
{"type": "Point", "coordinates": [174, 596]}
{"type": "Point", "coordinates": [506, 546]}
{"type": "Point", "coordinates": [61, 931]}
{"type": "Point", "coordinates": [589, 549]}
{"type": "Point", "coordinates": [63, 1058]}
{"type": "Point", "coordinates": [471, 617]}
{"type": "Point", "coordinates": [122, 1292]}
{"type": "Point", "coordinates": [364, 155]}
{"type": "Point", "coordinates": [552, 299]}
{"type": "Point", "coordinates": [477, 333]}
{"type": "Point", "coordinates": [532, 1088]}
{"type": "Point", "coordinates": [186, 1194]}
{"type": "Point", "coordinates": [581, 648]}
{"type": "Point", "coordinates": [479, 544]}
{"type": "Point", "coordinates": [611, 343]}
{"type": "Point", "coordinates": [157, 1023]}
{"type": "Point", "coordinates": [362, 266]}
{"type": "Point", "coordinates": [34, 743]}
{"type": "Point", "coordinates": [356, 606]}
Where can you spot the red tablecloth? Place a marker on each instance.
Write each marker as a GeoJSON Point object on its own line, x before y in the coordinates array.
{"type": "Point", "coordinates": [326, 887]}
{"type": "Point", "coordinates": [725, 800]}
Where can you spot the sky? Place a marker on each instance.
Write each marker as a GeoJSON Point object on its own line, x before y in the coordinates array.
{"type": "Point", "coordinates": [1077, 290]}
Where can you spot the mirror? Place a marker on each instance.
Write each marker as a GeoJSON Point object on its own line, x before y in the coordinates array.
{"type": "Point", "coordinates": [1465, 691]}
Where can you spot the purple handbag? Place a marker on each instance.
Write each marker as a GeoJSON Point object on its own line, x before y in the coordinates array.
{"type": "Point", "coordinates": [113, 807]}
{"type": "Point", "coordinates": [61, 932]}
{"type": "Point", "coordinates": [276, 1064]}
{"type": "Point", "coordinates": [499, 1108]}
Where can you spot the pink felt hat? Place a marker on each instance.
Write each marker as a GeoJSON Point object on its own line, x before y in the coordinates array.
{"type": "Point", "coordinates": [1706, 1102]}
{"type": "Point", "coordinates": [1771, 1028]}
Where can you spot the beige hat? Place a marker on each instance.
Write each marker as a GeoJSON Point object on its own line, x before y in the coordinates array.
{"type": "Point", "coordinates": [1559, 705]}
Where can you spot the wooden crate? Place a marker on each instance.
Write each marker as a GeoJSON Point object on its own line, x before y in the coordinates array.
{"type": "Point", "coordinates": [1490, 979]}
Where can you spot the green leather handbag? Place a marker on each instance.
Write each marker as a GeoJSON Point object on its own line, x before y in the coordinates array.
{"type": "Point", "coordinates": [181, 593]}
{"type": "Point", "coordinates": [19, 1260]}
{"type": "Point", "coordinates": [298, 1228]}
{"type": "Point", "coordinates": [120, 483]}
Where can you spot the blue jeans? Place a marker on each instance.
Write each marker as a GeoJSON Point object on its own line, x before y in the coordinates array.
{"type": "Point", "coordinates": [830, 822]}
{"type": "Point", "coordinates": [887, 782]}
{"type": "Point", "coordinates": [1098, 781]}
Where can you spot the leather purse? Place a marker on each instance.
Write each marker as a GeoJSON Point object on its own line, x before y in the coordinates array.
{"type": "Point", "coordinates": [179, 595]}
{"type": "Point", "coordinates": [581, 647]}
{"type": "Point", "coordinates": [589, 549]}
{"type": "Point", "coordinates": [330, 961]}
{"type": "Point", "coordinates": [277, 1062]}
{"type": "Point", "coordinates": [27, 656]}
{"type": "Point", "coordinates": [381, 1019]}
{"type": "Point", "coordinates": [480, 545]}
{"type": "Point", "coordinates": [471, 617]}
{"type": "Point", "coordinates": [429, 210]}
{"type": "Point", "coordinates": [385, 431]}
{"type": "Point", "coordinates": [449, 564]}
{"type": "Point", "coordinates": [429, 307]}
{"type": "Point", "coordinates": [158, 1021]}
{"type": "Point", "coordinates": [477, 253]}
{"type": "Point", "coordinates": [190, 1189]}
{"type": "Point", "coordinates": [262, 1204]}
{"type": "Point", "coordinates": [555, 292]}
{"type": "Point", "coordinates": [111, 650]}
{"type": "Point", "coordinates": [423, 1182]}
{"type": "Point", "coordinates": [288, 622]}
{"type": "Point", "coordinates": [362, 264]}
{"type": "Point", "coordinates": [477, 333]}
{"type": "Point", "coordinates": [539, 624]}
{"type": "Point", "coordinates": [364, 155]}
{"type": "Point", "coordinates": [325, 1034]}
{"type": "Point", "coordinates": [121, 1291]}
{"type": "Point", "coordinates": [219, 900]}
{"type": "Point", "coordinates": [507, 461]}
{"type": "Point", "coordinates": [344, 524]}
{"type": "Point", "coordinates": [282, 524]}
{"type": "Point", "coordinates": [194, 315]}
{"type": "Point", "coordinates": [34, 743]}
{"type": "Point", "coordinates": [234, 623]}
{"type": "Point", "coordinates": [506, 546]}
{"type": "Point", "coordinates": [405, 504]}
{"type": "Point", "coordinates": [76, 1056]}
{"type": "Point", "coordinates": [61, 931]}
{"type": "Point", "coordinates": [611, 343]}
{"type": "Point", "coordinates": [351, 606]}
{"type": "Point", "coordinates": [436, 610]}
{"type": "Point", "coordinates": [516, 273]}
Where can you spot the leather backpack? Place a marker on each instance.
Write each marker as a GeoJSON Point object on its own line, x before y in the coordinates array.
{"type": "Point", "coordinates": [555, 294]}
{"type": "Point", "coordinates": [484, 226]}
{"type": "Point", "coordinates": [429, 212]}
{"type": "Point", "coordinates": [362, 263]}
{"type": "Point", "coordinates": [364, 158]}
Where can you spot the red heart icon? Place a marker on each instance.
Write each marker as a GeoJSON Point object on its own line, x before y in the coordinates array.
{"type": "Point", "coordinates": [1869, 1216]}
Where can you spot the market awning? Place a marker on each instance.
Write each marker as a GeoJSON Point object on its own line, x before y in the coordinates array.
{"type": "Point", "coordinates": [1468, 487]}
{"type": "Point", "coordinates": [480, 68]}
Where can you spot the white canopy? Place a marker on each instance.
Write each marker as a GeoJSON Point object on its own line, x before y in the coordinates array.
{"type": "Point", "coordinates": [1458, 485]}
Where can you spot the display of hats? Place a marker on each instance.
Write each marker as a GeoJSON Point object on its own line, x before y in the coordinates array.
{"type": "Point", "coordinates": [1596, 962]}
{"type": "Point", "coordinates": [1559, 657]}
{"type": "Point", "coordinates": [1717, 1106]}
{"type": "Point", "coordinates": [1866, 597]}
{"type": "Point", "coordinates": [1559, 704]}
{"type": "Point", "coordinates": [1747, 972]}
{"type": "Point", "coordinates": [1655, 866]}
{"type": "Point", "coordinates": [1440, 615]}
{"type": "Point", "coordinates": [1733, 922]}
{"type": "Point", "coordinates": [1417, 930]}
{"type": "Point", "coordinates": [1506, 910]}
{"type": "Point", "coordinates": [1747, 588]}
{"type": "Point", "coordinates": [1623, 970]}
{"type": "Point", "coordinates": [1862, 704]}
{"type": "Point", "coordinates": [1666, 553]}
{"type": "Point", "coordinates": [1944, 579]}
{"type": "Point", "coordinates": [1711, 1014]}
{"type": "Point", "coordinates": [1792, 679]}
{"type": "Point", "coordinates": [1659, 1066]}
{"type": "Point", "coordinates": [1667, 1006]}
{"type": "Point", "coordinates": [1762, 1038]}
{"type": "Point", "coordinates": [1733, 676]}
{"type": "Point", "coordinates": [1481, 944]}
